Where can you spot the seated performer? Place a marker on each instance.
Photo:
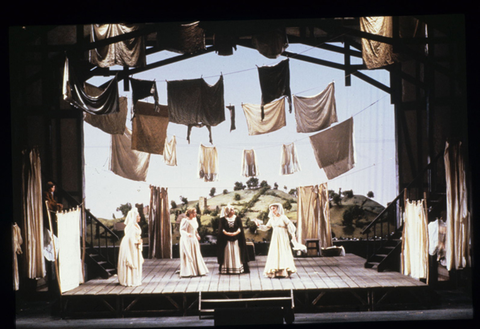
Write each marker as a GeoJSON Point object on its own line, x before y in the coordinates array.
{"type": "Point", "coordinates": [48, 195]}
{"type": "Point", "coordinates": [191, 259]}
{"type": "Point", "coordinates": [231, 245]}
{"type": "Point", "coordinates": [130, 258]}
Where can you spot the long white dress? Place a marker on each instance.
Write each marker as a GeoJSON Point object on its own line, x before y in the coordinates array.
{"type": "Point", "coordinates": [191, 259]}
{"type": "Point", "coordinates": [280, 261]}
{"type": "Point", "coordinates": [130, 258]}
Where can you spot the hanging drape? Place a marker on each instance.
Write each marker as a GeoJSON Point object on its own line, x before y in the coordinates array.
{"type": "Point", "coordinates": [32, 204]}
{"type": "Point", "coordinates": [130, 52]}
{"type": "Point", "coordinates": [249, 164]}
{"type": "Point", "coordinates": [377, 54]}
{"type": "Point", "coordinates": [159, 226]}
{"type": "Point", "coordinates": [17, 250]}
{"type": "Point", "coordinates": [75, 94]}
{"type": "Point", "coordinates": [231, 109]}
{"type": "Point", "coordinates": [274, 118]}
{"type": "Point", "coordinates": [415, 240]}
{"type": "Point", "coordinates": [70, 270]}
{"type": "Point", "coordinates": [289, 162]}
{"type": "Point", "coordinates": [458, 216]}
{"type": "Point", "coordinates": [113, 123]}
{"type": "Point", "coordinates": [149, 128]}
{"type": "Point", "coordinates": [314, 113]}
{"type": "Point", "coordinates": [170, 152]}
{"type": "Point", "coordinates": [142, 89]}
{"type": "Point", "coordinates": [126, 162]}
{"type": "Point", "coordinates": [183, 38]}
{"type": "Point", "coordinates": [208, 163]}
{"type": "Point", "coordinates": [274, 83]}
{"type": "Point", "coordinates": [313, 214]}
{"type": "Point", "coordinates": [334, 149]}
{"type": "Point", "coordinates": [271, 44]}
{"type": "Point", "coordinates": [196, 103]}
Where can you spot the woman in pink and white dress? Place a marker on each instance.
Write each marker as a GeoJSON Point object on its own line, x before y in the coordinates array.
{"type": "Point", "coordinates": [280, 263]}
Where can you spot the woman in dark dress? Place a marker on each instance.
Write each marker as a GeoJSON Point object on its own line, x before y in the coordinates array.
{"type": "Point", "coordinates": [232, 248]}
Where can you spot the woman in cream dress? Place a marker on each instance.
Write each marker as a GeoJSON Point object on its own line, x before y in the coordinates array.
{"type": "Point", "coordinates": [130, 258]}
{"type": "Point", "coordinates": [280, 263]}
{"type": "Point", "coordinates": [191, 259]}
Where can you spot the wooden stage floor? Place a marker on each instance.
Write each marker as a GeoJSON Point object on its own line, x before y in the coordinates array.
{"type": "Point", "coordinates": [321, 283]}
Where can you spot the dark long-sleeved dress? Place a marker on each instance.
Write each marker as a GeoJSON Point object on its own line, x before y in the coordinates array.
{"type": "Point", "coordinates": [232, 250]}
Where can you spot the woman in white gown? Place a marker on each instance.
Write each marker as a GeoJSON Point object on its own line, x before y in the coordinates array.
{"type": "Point", "coordinates": [280, 263]}
{"type": "Point", "coordinates": [130, 258]}
{"type": "Point", "coordinates": [191, 259]}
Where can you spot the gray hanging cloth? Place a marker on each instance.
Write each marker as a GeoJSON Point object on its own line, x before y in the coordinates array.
{"type": "Point", "coordinates": [143, 89]}
{"type": "Point", "coordinates": [275, 83]}
{"type": "Point", "coordinates": [196, 103]}
{"type": "Point", "coordinates": [74, 93]}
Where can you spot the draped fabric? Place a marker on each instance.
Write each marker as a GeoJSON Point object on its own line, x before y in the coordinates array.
{"type": "Point", "coordinates": [183, 38]}
{"type": "Point", "coordinates": [75, 94]}
{"type": "Point", "coordinates": [126, 162]}
{"type": "Point", "coordinates": [70, 270]}
{"type": "Point", "coordinates": [377, 54]}
{"type": "Point", "coordinates": [274, 83]}
{"type": "Point", "coordinates": [415, 240]}
{"type": "Point", "coordinates": [32, 211]}
{"type": "Point", "coordinates": [333, 149]}
{"type": "Point", "coordinates": [170, 152]}
{"type": "Point", "coordinates": [271, 44]}
{"type": "Point", "coordinates": [274, 117]}
{"type": "Point", "coordinates": [113, 123]}
{"type": "Point", "coordinates": [130, 253]}
{"type": "Point", "coordinates": [458, 235]}
{"type": "Point", "coordinates": [314, 113]}
{"type": "Point", "coordinates": [224, 43]}
{"type": "Point", "coordinates": [130, 52]}
{"type": "Point", "coordinates": [149, 128]}
{"type": "Point", "coordinates": [142, 89]}
{"type": "Point", "coordinates": [313, 214]}
{"type": "Point", "coordinates": [249, 164]}
{"type": "Point", "coordinates": [196, 103]}
{"type": "Point", "coordinates": [289, 163]}
{"type": "Point", "coordinates": [159, 226]}
{"type": "Point", "coordinates": [17, 250]}
{"type": "Point", "coordinates": [231, 108]}
{"type": "Point", "coordinates": [208, 163]}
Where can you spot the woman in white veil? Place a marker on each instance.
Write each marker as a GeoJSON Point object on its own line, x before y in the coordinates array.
{"type": "Point", "coordinates": [130, 258]}
{"type": "Point", "coordinates": [280, 261]}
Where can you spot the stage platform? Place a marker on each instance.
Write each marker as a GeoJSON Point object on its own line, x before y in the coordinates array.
{"type": "Point", "coordinates": [321, 284]}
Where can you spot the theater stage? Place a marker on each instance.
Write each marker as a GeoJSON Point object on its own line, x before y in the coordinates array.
{"type": "Point", "coordinates": [321, 284]}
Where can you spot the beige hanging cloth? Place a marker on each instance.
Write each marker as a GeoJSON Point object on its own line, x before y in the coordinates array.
{"type": "Point", "coordinates": [314, 113]}
{"type": "Point", "coordinates": [415, 241]}
{"type": "Point", "coordinates": [249, 164]}
{"type": "Point", "coordinates": [208, 163]}
{"type": "Point", "coordinates": [32, 204]}
{"type": "Point", "coordinates": [274, 117]}
{"type": "Point", "coordinates": [289, 163]}
{"type": "Point", "coordinates": [149, 127]}
{"type": "Point", "coordinates": [17, 250]}
{"type": "Point", "coordinates": [124, 161]}
{"type": "Point", "coordinates": [170, 152]}
{"type": "Point", "coordinates": [334, 148]}
{"type": "Point", "coordinates": [377, 54]}
{"type": "Point", "coordinates": [458, 235]}
{"type": "Point", "coordinates": [130, 52]}
{"type": "Point", "coordinates": [313, 215]}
